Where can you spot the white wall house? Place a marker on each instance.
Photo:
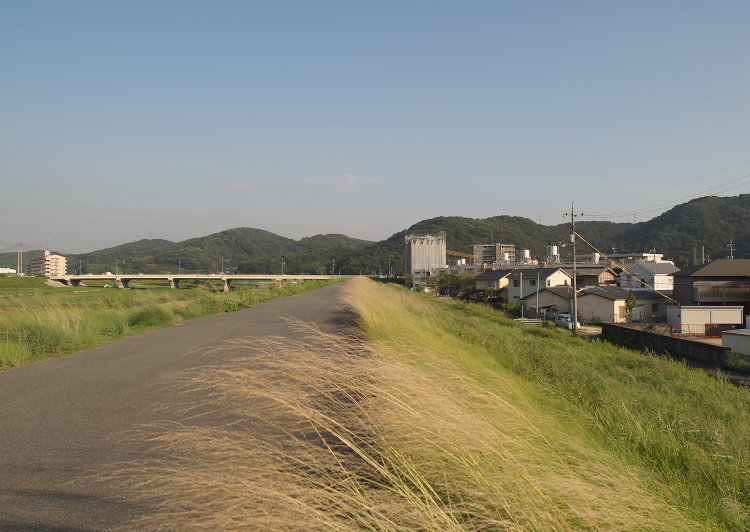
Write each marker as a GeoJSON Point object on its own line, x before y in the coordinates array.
{"type": "Point", "coordinates": [655, 274]}
{"type": "Point", "coordinates": [523, 282]}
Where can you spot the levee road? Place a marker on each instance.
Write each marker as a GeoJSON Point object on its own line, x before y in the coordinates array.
{"type": "Point", "coordinates": [61, 419]}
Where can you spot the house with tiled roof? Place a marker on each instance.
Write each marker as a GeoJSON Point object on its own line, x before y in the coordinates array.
{"type": "Point", "coordinates": [550, 299]}
{"type": "Point", "coordinates": [492, 280]}
{"type": "Point", "coordinates": [607, 304]}
{"type": "Point", "coordinates": [522, 282]}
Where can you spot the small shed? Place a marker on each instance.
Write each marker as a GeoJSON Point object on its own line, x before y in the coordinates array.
{"type": "Point", "coordinates": [737, 340]}
{"type": "Point", "coordinates": [704, 320]}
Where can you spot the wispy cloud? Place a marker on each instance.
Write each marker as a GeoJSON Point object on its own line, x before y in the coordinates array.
{"type": "Point", "coordinates": [198, 210]}
{"type": "Point", "coordinates": [343, 182]}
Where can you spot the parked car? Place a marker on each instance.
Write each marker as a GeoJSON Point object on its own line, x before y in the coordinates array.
{"type": "Point", "coordinates": [565, 320]}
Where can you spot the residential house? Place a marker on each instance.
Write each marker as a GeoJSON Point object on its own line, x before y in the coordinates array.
{"type": "Point", "coordinates": [492, 280]}
{"type": "Point", "coordinates": [522, 282]}
{"type": "Point", "coordinates": [655, 275]}
{"type": "Point", "coordinates": [550, 300]}
{"type": "Point", "coordinates": [593, 276]}
{"type": "Point", "coordinates": [607, 304]}
{"type": "Point", "coordinates": [721, 282]}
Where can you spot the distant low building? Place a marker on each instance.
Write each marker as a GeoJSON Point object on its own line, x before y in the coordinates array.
{"type": "Point", "coordinates": [7, 271]}
{"type": "Point", "coordinates": [48, 265]}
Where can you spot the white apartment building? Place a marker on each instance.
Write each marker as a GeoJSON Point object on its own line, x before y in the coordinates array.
{"type": "Point", "coordinates": [48, 265]}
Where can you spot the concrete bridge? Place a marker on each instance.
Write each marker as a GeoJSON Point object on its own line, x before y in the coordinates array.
{"type": "Point", "coordinates": [123, 280]}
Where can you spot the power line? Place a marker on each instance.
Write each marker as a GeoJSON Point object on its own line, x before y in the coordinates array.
{"type": "Point", "coordinates": [720, 189]}
{"type": "Point", "coordinates": [665, 187]}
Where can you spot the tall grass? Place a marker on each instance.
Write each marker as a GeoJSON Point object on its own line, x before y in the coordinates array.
{"type": "Point", "coordinates": [447, 418]}
{"type": "Point", "coordinates": [58, 321]}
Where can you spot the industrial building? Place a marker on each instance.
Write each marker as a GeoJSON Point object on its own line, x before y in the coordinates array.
{"type": "Point", "coordinates": [494, 254]}
{"type": "Point", "coordinates": [48, 265]}
{"type": "Point", "coordinates": [424, 252]}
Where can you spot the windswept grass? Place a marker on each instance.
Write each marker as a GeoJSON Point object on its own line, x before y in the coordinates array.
{"type": "Point", "coordinates": [448, 417]}
{"type": "Point", "coordinates": [37, 321]}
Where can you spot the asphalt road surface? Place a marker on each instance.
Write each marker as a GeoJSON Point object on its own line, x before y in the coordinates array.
{"type": "Point", "coordinates": [60, 419]}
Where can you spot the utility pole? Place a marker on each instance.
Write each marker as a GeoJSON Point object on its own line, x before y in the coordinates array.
{"type": "Point", "coordinates": [19, 270]}
{"type": "Point", "coordinates": [703, 254]}
{"type": "Point", "coordinates": [520, 292]}
{"type": "Point", "coordinates": [573, 215]}
{"type": "Point", "coordinates": [282, 265]}
{"type": "Point", "coordinates": [179, 266]}
{"type": "Point", "coordinates": [731, 246]}
{"type": "Point", "coordinates": [537, 295]}
{"type": "Point", "coordinates": [333, 266]}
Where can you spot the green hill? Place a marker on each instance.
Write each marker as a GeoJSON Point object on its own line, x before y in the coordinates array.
{"type": "Point", "coordinates": [207, 253]}
{"type": "Point", "coordinates": [678, 233]}
{"type": "Point", "coordinates": [709, 222]}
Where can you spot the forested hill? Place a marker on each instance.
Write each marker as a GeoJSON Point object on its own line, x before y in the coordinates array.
{"type": "Point", "coordinates": [206, 254]}
{"type": "Point", "coordinates": [678, 233]}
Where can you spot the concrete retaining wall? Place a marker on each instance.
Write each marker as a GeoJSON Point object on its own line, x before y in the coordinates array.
{"type": "Point", "coordinates": [677, 347]}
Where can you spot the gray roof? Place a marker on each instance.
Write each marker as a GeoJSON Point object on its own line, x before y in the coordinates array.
{"type": "Point", "coordinates": [565, 292]}
{"type": "Point", "coordinates": [607, 292]}
{"type": "Point", "coordinates": [615, 292]}
{"type": "Point", "coordinates": [492, 275]}
{"type": "Point", "coordinates": [721, 268]}
{"type": "Point", "coordinates": [588, 270]}
{"type": "Point", "coordinates": [532, 273]}
{"type": "Point", "coordinates": [656, 267]}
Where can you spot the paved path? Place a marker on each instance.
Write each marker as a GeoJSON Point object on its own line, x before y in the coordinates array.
{"type": "Point", "coordinates": [59, 419]}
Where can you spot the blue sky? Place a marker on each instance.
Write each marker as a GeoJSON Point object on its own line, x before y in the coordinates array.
{"type": "Point", "coordinates": [174, 119]}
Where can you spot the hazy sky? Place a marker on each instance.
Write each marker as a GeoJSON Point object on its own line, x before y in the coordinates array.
{"type": "Point", "coordinates": [173, 119]}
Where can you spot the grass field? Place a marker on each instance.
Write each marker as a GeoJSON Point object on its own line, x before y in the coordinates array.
{"type": "Point", "coordinates": [39, 321]}
{"type": "Point", "coordinates": [450, 417]}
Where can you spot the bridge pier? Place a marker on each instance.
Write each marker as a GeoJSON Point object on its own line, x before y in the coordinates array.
{"type": "Point", "coordinates": [227, 285]}
{"type": "Point", "coordinates": [174, 283]}
{"type": "Point", "coordinates": [122, 283]}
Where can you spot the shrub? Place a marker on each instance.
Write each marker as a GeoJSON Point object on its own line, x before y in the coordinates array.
{"type": "Point", "coordinates": [150, 316]}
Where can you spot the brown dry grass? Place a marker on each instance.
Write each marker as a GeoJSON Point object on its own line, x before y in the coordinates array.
{"type": "Point", "coordinates": [336, 433]}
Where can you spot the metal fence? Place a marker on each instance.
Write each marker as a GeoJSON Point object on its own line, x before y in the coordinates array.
{"type": "Point", "coordinates": [708, 330]}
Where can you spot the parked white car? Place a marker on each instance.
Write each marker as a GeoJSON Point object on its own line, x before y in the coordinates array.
{"type": "Point", "coordinates": [565, 320]}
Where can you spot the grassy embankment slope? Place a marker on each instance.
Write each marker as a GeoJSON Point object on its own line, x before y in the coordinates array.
{"type": "Point", "coordinates": [38, 321]}
{"type": "Point", "coordinates": [451, 417]}
{"type": "Point", "coordinates": [573, 434]}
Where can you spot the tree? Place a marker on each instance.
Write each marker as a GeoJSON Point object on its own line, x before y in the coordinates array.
{"type": "Point", "coordinates": [630, 304]}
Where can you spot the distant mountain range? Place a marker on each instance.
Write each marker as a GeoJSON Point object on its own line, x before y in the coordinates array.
{"type": "Point", "coordinates": [678, 233]}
